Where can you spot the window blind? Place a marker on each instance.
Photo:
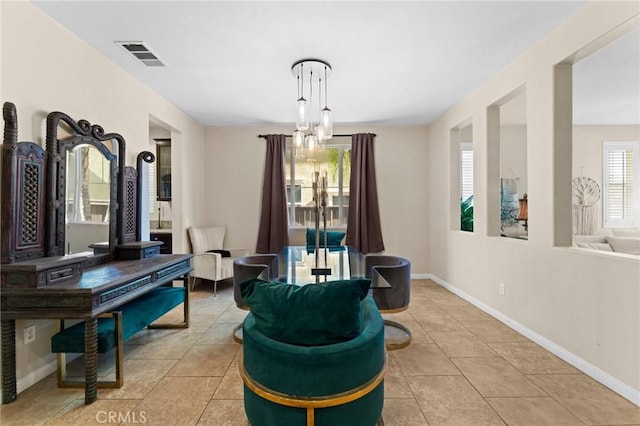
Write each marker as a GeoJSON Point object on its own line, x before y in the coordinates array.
{"type": "Point", "coordinates": [466, 170]}
{"type": "Point", "coordinates": [152, 189]}
{"type": "Point", "coordinates": [620, 182]}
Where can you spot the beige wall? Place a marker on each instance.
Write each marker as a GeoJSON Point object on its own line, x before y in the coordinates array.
{"type": "Point", "coordinates": [46, 68]}
{"type": "Point", "coordinates": [234, 173]}
{"type": "Point", "coordinates": [583, 306]}
{"type": "Point", "coordinates": [513, 155]}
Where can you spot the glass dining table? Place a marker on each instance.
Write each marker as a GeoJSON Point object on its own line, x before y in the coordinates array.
{"type": "Point", "coordinates": [297, 265]}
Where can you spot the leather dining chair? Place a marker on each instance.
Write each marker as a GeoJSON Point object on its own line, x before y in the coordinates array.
{"type": "Point", "coordinates": [263, 266]}
{"type": "Point", "coordinates": [396, 271]}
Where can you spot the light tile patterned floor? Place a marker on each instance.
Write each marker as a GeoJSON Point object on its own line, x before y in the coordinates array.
{"type": "Point", "coordinates": [462, 368]}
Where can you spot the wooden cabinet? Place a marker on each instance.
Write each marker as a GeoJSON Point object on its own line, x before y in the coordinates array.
{"type": "Point", "coordinates": [166, 238]}
{"type": "Point", "coordinates": [163, 167]}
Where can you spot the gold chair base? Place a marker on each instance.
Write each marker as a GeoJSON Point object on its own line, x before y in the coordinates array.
{"type": "Point", "coordinates": [237, 333]}
{"type": "Point", "coordinates": [237, 330]}
{"type": "Point", "coordinates": [311, 403]}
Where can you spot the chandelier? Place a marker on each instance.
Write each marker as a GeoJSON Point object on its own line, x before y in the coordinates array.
{"type": "Point", "coordinates": [313, 127]}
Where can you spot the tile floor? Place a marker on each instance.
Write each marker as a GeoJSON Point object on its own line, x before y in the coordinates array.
{"type": "Point", "coordinates": [462, 368]}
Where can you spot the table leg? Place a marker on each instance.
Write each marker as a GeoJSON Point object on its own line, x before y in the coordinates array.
{"type": "Point", "coordinates": [91, 360]}
{"type": "Point", "coordinates": [9, 389]}
{"type": "Point", "coordinates": [187, 306]}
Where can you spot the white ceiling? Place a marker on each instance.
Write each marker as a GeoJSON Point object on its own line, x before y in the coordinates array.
{"type": "Point", "coordinates": [393, 62]}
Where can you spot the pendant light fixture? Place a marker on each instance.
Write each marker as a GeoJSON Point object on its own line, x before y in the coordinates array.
{"type": "Point", "coordinates": [302, 120]}
{"type": "Point", "coordinates": [325, 115]}
{"type": "Point", "coordinates": [313, 127]}
{"type": "Point", "coordinates": [318, 129]}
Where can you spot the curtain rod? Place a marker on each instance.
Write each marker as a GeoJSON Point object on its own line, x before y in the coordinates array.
{"type": "Point", "coordinates": [334, 136]}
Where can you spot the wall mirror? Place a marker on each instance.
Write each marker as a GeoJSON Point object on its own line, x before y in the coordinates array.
{"type": "Point", "coordinates": [74, 196]}
{"type": "Point", "coordinates": [84, 187]}
{"type": "Point", "coordinates": [89, 174]}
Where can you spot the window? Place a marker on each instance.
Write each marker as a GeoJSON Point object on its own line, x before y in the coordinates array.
{"type": "Point", "coordinates": [466, 170]}
{"type": "Point", "coordinates": [297, 192]}
{"type": "Point", "coordinates": [466, 186]}
{"type": "Point", "coordinates": [152, 188]}
{"type": "Point", "coordinates": [621, 200]}
{"type": "Point", "coordinates": [88, 185]}
{"type": "Point", "coordinates": [335, 159]}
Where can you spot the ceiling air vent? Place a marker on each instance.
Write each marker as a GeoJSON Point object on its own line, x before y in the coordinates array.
{"type": "Point", "coordinates": [142, 53]}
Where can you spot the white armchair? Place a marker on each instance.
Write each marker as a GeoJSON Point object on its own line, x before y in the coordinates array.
{"type": "Point", "coordinates": [206, 263]}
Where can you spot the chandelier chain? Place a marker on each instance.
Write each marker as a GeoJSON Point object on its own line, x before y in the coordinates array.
{"type": "Point", "coordinates": [325, 86]}
{"type": "Point", "coordinates": [302, 81]}
{"type": "Point", "coordinates": [310, 94]}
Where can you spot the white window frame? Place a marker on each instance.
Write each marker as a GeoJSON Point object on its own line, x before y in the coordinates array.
{"type": "Point", "coordinates": [153, 209]}
{"type": "Point", "coordinates": [630, 217]}
{"type": "Point", "coordinates": [464, 187]}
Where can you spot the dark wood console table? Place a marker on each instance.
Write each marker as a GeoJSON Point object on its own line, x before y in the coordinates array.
{"type": "Point", "coordinates": [101, 288]}
{"type": "Point", "coordinates": [44, 192]}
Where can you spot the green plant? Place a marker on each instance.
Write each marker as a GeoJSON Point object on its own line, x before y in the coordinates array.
{"type": "Point", "coordinates": [466, 214]}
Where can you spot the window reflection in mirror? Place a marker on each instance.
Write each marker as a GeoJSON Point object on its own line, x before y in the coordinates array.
{"type": "Point", "coordinates": [88, 188]}
{"type": "Point", "coordinates": [605, 150]}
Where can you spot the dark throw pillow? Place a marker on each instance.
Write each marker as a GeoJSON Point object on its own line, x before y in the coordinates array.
{"type": "Point", "coordinates": [334, 238]}
{"type": "Point", "coordinates": [223, 253]}
{"type": "Point", "coordinates": [308, 315]}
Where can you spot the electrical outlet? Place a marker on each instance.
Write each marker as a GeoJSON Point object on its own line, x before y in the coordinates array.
{"type": "Point", "coordinates": [29, 333]}
{"type": "Point", "coordinates": [501, 289]}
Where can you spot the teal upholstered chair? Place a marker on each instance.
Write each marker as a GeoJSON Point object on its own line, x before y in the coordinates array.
{"type": "Point", "coordinates": [334, 238]}
{"type": "Point", "coordinates": [310, 383]}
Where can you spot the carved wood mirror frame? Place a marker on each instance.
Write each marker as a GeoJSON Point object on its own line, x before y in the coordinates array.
{"type": "Point", "coordinates": [57, 151]}
{"type": "Point", "coordinates": [33, 179]}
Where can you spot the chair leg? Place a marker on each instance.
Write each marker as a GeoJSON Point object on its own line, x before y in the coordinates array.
{"type": "Point", "coordinates": [192, 282]}
{"type": "Point", "coordinates": [215, 288]}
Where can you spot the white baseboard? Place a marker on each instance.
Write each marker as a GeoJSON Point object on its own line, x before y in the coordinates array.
{"type": "Point", "coordinates": [35, 376]}
{"type": "Point", "coordinates": [589, 369]}
{"type": "Point", "coordinates": [420, 276]}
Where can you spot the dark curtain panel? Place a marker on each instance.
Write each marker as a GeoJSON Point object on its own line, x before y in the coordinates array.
{"type": "Point", "coordinates": [273, 233]}
{"type": "Point", "coordinates": [363, 225]}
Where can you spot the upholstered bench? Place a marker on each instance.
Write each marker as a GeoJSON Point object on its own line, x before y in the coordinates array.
{"type": "Point", "coordinates": [116, 327]}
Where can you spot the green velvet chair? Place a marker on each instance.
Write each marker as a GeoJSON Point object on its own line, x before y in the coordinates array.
{"type": "Point", "coordinates": [333, 238]}
{"type": "Point", "coordinates": [332, 384]}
